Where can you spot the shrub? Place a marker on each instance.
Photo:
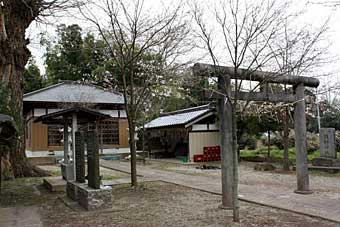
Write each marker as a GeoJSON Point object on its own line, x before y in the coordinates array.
{"type": "Point", "coordinates": [248, 141]}
{"type": "Point", "coordinates": [276, 140]}
{"type": "Point", "coordinates": [313, 142]}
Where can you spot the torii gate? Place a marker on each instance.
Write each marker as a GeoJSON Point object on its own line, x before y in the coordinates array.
{"type": "Point", "coordinates": [225, 74]}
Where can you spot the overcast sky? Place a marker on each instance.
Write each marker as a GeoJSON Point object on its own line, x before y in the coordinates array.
{"type": "Point", "coordinates": [316, 15]}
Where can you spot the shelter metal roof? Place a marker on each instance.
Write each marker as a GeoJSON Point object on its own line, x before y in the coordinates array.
{"type": "Point", "coordinates": [74, 92]}
{"type": "Point", "coordinates": [184, 118]}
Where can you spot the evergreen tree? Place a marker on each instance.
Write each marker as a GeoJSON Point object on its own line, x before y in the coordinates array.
{"type": "Point", "coordinates": [33, 80]}
{"type": "Point", "coordinates": [74, 57]}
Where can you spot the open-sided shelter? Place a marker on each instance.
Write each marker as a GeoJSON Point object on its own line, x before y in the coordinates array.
{"type": "Point", "coordinates": [183, 133]}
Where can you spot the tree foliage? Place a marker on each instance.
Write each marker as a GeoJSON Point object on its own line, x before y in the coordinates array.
{"type": "Point", "coordinates": [74, 57]}
{"type": "Point", "coordinates": [33, 80]}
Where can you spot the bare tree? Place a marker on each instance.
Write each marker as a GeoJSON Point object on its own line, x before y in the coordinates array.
{"type": "Point", "coordinates": [144, 48]}
{"type": "Point", "coordinates": [15, 18]}
{"type": "Point", "coordinates": [300, 50]}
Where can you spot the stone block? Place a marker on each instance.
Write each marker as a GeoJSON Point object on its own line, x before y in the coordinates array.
{"type": "Point", "coordinates": [71, 190]}
{"type": "Point", "coordinates": [55, 184]}
{"type": "Point", "coordinates": [264, 167]}
{"type": "Point", "coordinates": [329, 162]}
{"type": "Point", "coordinates": [94, 199]}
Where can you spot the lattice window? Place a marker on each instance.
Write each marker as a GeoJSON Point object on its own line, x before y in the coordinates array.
{"type": "Point", "coordinates": [109, 131]}
{"type": "Point", "coordinates": [55, 135]}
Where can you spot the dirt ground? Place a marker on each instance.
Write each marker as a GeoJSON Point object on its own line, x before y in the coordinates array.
{"type": "Point", "coordinates": [158, 204]}
{"type": "Point", "coordinates": [163, 204]}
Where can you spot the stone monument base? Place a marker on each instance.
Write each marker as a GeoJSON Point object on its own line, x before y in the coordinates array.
{"type": "Point", "coordinates": [89, 198]}
{"type": "Point", "coordinates": [72, 189]}
{"type": "Point", "coordinates": [328, 162]}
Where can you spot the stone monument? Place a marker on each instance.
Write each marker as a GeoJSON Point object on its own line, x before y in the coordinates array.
{"type": "Point", "coordinates": [93, 160]}
{"type": "Point", "coordinates": [91, 196]}
{"type": "Point", "coordinates": [80, 157]}
{"type": "Point", "coordinates": [328, 157]}
{"type": "Point", "coordinates": [327, 143]}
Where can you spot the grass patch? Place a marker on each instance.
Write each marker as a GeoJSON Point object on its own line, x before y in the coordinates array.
{"type": "Point", "coordinates": [110, 177]}
{"type": "Point", "coordinates": [277, 153]}
{"type": "Point", "coordinates": [54, 173]}
{"type": "Point", "coordinates": [24, 192]}
{"type": "Point", "coordinates": [263, 152]}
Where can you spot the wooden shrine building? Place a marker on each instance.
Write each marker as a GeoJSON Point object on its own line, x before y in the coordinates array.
{"type": "Point", "coordinates": [42, 138]}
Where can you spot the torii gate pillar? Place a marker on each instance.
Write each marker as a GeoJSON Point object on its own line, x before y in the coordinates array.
{"type": "Point", "coordinates": [301, 141]}
{"type": "Point", "coordinates": [227, 151]}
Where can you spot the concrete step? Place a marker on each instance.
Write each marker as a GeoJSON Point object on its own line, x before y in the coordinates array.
{"type": "Point", "coordinates": [55, 184]}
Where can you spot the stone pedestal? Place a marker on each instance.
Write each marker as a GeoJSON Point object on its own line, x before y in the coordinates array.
{"type": "Point", "coordinates": [329, 162]}
{"type": "Point", "coordinates": [95, 199]}
{"type": "Point", "coordinates": [67, 171]}
{"type": "Point", "coordinates": [89, 198]}
{"type": "Point", "coordinates": [72, 189]}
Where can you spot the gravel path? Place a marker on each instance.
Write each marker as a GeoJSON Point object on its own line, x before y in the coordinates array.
{"type": "Point", "coordinates": [323, 184]}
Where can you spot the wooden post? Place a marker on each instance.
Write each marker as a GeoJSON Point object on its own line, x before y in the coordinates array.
{"type": "Point", "coordinates": [301, 142]}
{"type": "Point", "coordinates": [101, 137]}
{"type": "Point", "coordinates": [66, 158]}
{"type": "Point", "coordinates": [74, 129]}
{"type": "Point", "coordinates": [225, 113]}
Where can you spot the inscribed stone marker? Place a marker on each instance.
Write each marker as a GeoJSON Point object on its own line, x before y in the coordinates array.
{"type": "Point", "coordinates": [80, 159]}
{"type": "Point", "coordinates": [327, 143]}
{"type": "Point", "coordinates": [93, 160]}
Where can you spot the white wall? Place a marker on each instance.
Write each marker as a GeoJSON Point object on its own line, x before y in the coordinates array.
{"type": "Point", "coordinates": [112, 113]}
{"type": "Point", "coordinates": [39, 112]}
{"type": "Point", "coordinates": [53, 110]}
{"type": "Point", "coordinates": [198, 140]}
{"type": "Point", "coordinates": [204, 127]}
{"type": "Point", "coordinates": [122, 113]}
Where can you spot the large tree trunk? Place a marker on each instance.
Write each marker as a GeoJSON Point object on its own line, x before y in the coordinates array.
{"type": "Point", "coordinates": [15, 17]}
